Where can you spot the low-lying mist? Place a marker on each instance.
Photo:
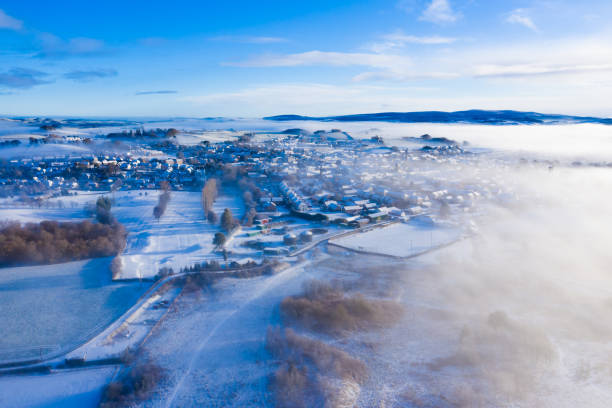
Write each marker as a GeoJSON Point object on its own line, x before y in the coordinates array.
{"type": "Point", "coordinates": [523, 308]}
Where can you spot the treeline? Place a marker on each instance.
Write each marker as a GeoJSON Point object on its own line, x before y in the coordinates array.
{"type": "Point", "coordinates": [215, 266]}
{"type": "Point", "coordinates": [10, 143]}
{"type": "Point", "coordinates": [265, 267]}
{"type": "Point", "coordinates": [52, 242]}
{"type": "Point", "coordinates": [153, 133]}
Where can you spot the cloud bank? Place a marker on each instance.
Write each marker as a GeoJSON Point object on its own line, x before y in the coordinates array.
{"type": "Point", "coordinates": [86, 76]}
{"type": "Point", "coordinates": [23, 78]}
{"type": "Point", "coordinates": [53, 46]}
{"type": "Point", "coordinates": [9, 23]}
{"type": "Point", "coordinates": [161, 92]}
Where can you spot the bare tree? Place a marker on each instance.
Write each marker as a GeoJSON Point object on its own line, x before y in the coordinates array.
{"type": "Point", "coordinates": [227, 220]}
{"type": "Point", "coordinates": [164, 198]}
{"type": "Point", "coordinates": [209, 195]}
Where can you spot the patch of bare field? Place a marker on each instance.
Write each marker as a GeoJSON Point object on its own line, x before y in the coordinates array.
{"type": "Point", "coordinates": [375, 276]}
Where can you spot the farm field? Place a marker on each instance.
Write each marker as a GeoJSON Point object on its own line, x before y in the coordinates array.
{"type": "Point", "coordinates": [400, 239]}
{"type": "Point", "coordinates": [47, 309]}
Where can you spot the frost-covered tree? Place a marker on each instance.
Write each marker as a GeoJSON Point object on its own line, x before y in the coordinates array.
{"type": "Point", "coordinates": [227, 220]}
{"type": "Point", "coordinates": [209, 195]}
{"type": "Point", "coordinates": [219, 239]}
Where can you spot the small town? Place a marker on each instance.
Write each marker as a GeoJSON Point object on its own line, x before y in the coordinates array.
{"type": "Point", "coordinates": [292, 184]}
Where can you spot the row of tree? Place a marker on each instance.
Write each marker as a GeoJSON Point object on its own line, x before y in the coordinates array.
{"type": "Point", "coordinates": [9, 143]}
{"type": "Point", "coordinates": [52, 242]}
{"type": "Point", "coordinates": [144, 133]}
{"type": "Point", "coordinates": [209, 195]}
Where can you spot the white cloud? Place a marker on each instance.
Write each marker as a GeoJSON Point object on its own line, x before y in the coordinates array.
{"type": "Point", "coordinates": [440, 12]}
{"type": "Point", "coordinates": [399, 39]}
{"type": "Point", "coordinates": [89, 75]}
{"type": "Point", "coordinates": [55, 47]}
{"type": "Point", "coordinates": [390, 67]}
{"type": "Point", "coordinates": [404, 76]}
{"type": "Point", "coordinates": [9, 22]}
{"type": "Point", "coordinates": [323, 58]}
{"type": "Point", "coordinates": [577, 60]}
{"type": "Point", "coordinates": [318, 99]}
{"type": "Point", "coordinates": [524, 70]}
{"type": "Point", "coordinates": [520, 16]}
{"type": "Point", "coordinates": [309, 98]}
{"type": "Point", "coordinates": [250, 39]}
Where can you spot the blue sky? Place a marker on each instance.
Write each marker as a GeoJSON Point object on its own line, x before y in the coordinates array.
{"type": "Point", "coordinates": [246, 58]}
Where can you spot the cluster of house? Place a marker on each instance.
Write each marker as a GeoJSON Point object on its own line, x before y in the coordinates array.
{"type": "Point", "coordinates": [51, 176]}
{"type": "Point", "coordinates": [357, 183]}
{"type": "Point", "coordinates": [329, 176]}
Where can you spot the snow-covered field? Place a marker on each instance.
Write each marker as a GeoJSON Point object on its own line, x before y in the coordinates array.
{"type": "Point", "coordinates": [399, 239]}
{"type": "Point", "coordinates": [45, 151]}
{"type": "Point", "coordinates": [132, 328]}
{"type": "Point", "coordinates": [47, 309]}
{"type": "Point", "coordinates": [180, 238]}
{"type": "Point", "coordinates": [212, 344]}
{"type": "Point", "coordinates": [25, 214]}
{"type": "Point", "coordinates": [66, 389]}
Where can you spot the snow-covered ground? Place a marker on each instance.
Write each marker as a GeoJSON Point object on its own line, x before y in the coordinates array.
{"type": "Point", "coordinates": [25, 214]}
{"type": "Point", "coordinates": [131, 329]}
{"type": "Point", "coordinates": [212, 343]}
{"type": "Point", "coordinates": [44, 150]}
{"type": "Point", "coordinates": [65, 389]}
{"type": "Point", "coordinates": [180, 238]}
{"type": "Point", "coordinates": [398, 239]}
{"type": "Point", "coordinates": [47, 309]}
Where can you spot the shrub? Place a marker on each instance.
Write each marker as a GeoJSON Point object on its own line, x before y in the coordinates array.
{"type": "Point", "coordinates": [307, 366]}
{"type": "Point", "coordinates": [136, 383]}
{"type": "Point", "coordinates": [326, 309]}
{"type": "Point", "coordinates": [198, 281]}
{"type": "Point", "coordinates": [292, 386]}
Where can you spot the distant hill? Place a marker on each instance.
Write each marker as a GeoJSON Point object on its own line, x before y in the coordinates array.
{"type": "Point", "coordinates": [487, 117]}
